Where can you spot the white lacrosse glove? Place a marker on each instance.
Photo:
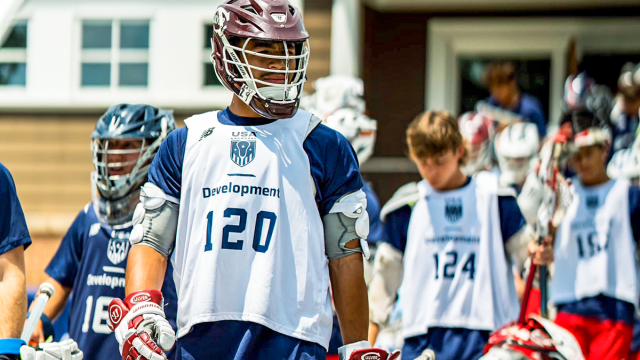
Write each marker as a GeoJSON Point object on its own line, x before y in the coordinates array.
{"type": "Point", "coordinates": [362, 350]}
{"type": "Point", "coordinates": [64, 350]}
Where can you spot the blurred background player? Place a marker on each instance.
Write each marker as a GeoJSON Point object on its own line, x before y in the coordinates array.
{"type": "Point", "coordinates": [245, 222]}
{"type": "Point", "coordinates": [595, 286]}
{"type": "Point", "coordinates": [624, 115]}
{"type": "Point", "coordinates": [14, 239]}
{"type": "Point", "coordinates": [478, 131]}
{"type": "Point", "coordinates": [338, 102]}
{"type": "Point", "coordinates": [626, 163]}
{"type": "Point", "coordinates": [516, 149]}
{"type": "Point", "coordinates": [90, 261]}
{"type": "Point", "coordinates": [333, 93]}
{"type": "Point", "coordinates": [501, 79]}
{"type": "Point", "coordinates": [458, 243]}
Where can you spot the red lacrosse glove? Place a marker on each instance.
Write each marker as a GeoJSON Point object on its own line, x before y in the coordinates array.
{"type": "Point", "coordinates": [141, 328]}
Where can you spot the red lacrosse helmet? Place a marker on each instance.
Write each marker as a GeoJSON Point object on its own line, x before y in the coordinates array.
{"type": "Point", "coordinates": [537, 339]}
{"type": "Point", "coordinates": [478, 130]}
{"type": "Point", "coordinates": [272, 21]}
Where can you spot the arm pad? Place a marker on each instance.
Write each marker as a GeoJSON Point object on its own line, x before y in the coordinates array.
{"type": "Point", "coordinates": [347, 220]}
{"type": "Point", "coordinates": [155, 220]}
{"type": "Point", "coordinates": [387, 277]}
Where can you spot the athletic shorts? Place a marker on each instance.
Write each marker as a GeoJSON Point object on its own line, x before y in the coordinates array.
{"type": "Point", "coordinates": [239, 340]}
{"type": "Point", "coordinates": [599, 340]}
{"type": "Point", "coordinates": [447, 343]}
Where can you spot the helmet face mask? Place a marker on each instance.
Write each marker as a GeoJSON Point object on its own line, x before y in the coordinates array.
{"type": "Point", "coordinates": [123, 145]}
{"type": "Point", "coordinates": [121, 165]}
{"type": "Point", "coordinates": [238, 26]}
{"type": "Point", "coordinates": [516, 148]}
{"type": "Point", "coordinates": [116, 214]}
{"type": "Point", "coordinates": [333, 93]}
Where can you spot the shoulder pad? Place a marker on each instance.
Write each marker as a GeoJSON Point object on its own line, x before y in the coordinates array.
{"type": "Point", "coordinates": [407, 194]}
{"type": "Point", "coordinates": [507, 191]}
{"type": "Point", "coordinates": [487, 181]}
{"type": "Point", "coordinates": [313, 123]}
{"type": "Point", "coordinates": [198, 119]}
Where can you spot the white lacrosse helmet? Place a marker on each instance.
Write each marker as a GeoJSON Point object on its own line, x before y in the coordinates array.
{"type": "Point", "coordinates": [478, 131]}
{"type": "Point", "coordinates": [335, 92]}
{"type": "Point", "coordinates": [358, 128]}
{"type": "Point", "coordinates": [625, 163]}
{"type": "Point", "coordinates": [516, 147]}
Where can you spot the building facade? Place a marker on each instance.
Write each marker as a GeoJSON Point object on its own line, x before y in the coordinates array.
{"type": "Point", "coordinates": [63, 62]}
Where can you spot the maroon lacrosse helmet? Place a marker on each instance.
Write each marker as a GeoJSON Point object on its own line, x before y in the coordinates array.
{"type": "Point", "coordinates": [273, 21]}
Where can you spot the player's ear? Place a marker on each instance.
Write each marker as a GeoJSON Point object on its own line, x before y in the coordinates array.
{"type": "Point", "coordinates": [462, 150]}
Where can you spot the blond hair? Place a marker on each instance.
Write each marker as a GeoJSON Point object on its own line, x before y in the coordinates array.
{"type": "Point", "coordinates": [432, 134]}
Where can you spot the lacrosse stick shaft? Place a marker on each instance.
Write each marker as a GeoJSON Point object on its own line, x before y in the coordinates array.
{"type": "Point", "coordinates": [544, 293]}
{"type": "Point", "coordinates": [544, 311]}
{"type": "Point", "coordinates": [527, 294]}
{"type": "Point", "coordinates": [46, 292]}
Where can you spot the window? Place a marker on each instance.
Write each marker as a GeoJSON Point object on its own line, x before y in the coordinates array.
{"type": "Point", "coordinates": [115, 53]}
{"type": "Point", "coordinates": [533, 78]}
{"type": "Point", "coordinates": [210, 78]}
{"type": "Point", "coordinates": [13, 57]}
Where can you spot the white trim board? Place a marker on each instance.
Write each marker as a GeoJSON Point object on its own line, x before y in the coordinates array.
{"type": "Point", "coordinates": [447, 39]}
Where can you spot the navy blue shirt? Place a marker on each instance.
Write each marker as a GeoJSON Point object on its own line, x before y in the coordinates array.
{"type": "Point", "coordinates": [396, 225]}
{"type": "Point", "coordinates": [624, 132]}
{"type": "Point", "coordinates": [327, 150]}
{"type": "Point", "coordinates": [602, 307]}
{"type": "Point", "coordinates": [529, 108]}
{"type": "Point", "coordinates": [13, 226]}
{"type": "Point", "coordinates": [373, 208]}
{"type": "Point", "coordinates": [91, 260]}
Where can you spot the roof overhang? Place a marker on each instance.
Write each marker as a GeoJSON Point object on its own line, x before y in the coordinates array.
{"type": "Point", "coordinates": [491, 5]}
{"type": "Point", "coordinates": [8, 10]}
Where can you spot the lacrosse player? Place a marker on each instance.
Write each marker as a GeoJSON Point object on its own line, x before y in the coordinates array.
{"type": "Point", "coordinates": [259, 208]}
{"type": "Point", "coordinates": [595, 287]}
{"type": "Point", "coordinates": [452, 246]}
{"type": "Point", "coordinates": [91, 259]}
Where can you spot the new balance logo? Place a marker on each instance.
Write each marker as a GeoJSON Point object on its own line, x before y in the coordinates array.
{"type": "Point", "coordinates": [206, 133]}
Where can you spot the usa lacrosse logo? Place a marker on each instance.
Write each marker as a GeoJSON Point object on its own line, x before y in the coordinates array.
{"type": "Point", "coordinates": [118, 247]}
{"type": "Point", "coordinates": [592, 202]}
{"type": "Point", "coordinates": [453, 209]}
{"type": "Point", "coordinates": [243, 148]}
